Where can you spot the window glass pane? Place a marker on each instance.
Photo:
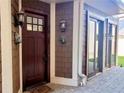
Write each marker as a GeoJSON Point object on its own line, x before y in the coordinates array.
{"type": "Point", "coordinates": [91, 51]}
{"type": "Point", "coordinates": [40, 28]}
{"type": "Point", "coordinates": [34, 27]}
{"type": "Point", "coordinates": [113, 30]}
{"type": "Point", "coordinates": [29, 19]}
{"type": "Point", "coordinates": [40, 21]}
{"type": "Point", "coordinates": [113, 45]}
{"type": "Point", "coordinates": [34, 20]}
{"type": "Point", "coordinates": [29, 27]}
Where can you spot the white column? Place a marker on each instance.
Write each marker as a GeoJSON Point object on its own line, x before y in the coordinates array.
{"type": "Point", "coordinates": [75, 38]}
{"type": "Point", "coordinates": [52, 40]}
{"type": "Point", "coordinates": [80, 35]}
{"type": "Point", "coordinates": [6, 46]}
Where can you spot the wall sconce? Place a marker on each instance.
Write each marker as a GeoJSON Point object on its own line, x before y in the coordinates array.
{"type": "Point", "coordinates": [19, 19]}
{"type": "Point", "coordinates": [63, 25]}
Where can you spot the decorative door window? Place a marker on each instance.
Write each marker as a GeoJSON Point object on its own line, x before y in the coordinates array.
{"type": "Point", "coordinates": [35, 24]}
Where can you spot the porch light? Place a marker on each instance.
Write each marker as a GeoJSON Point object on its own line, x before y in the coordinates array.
{"type": "Point", "coordinates": [19, 19]}
{"type": "Point", "coordinates": [63, 25]}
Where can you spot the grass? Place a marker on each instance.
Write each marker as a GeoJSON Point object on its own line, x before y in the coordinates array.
{"type": "Point", "coordinates": [121, 61]}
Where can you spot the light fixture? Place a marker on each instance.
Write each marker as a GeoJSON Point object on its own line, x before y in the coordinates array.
{"type": "Point", "coordinates": [63, 25]}
{"type": "Point", "coordinates": [19, 19]}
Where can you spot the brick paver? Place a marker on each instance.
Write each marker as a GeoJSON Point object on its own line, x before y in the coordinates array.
{"type": "Point", "coordinates": [111, 81]}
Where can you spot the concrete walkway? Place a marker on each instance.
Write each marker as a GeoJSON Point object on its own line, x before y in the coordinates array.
{"type": "Point", "coordinates": [111, 81]}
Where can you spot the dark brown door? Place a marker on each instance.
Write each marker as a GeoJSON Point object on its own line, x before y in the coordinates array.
{"type": "Point", "coordinates": [34, 50]}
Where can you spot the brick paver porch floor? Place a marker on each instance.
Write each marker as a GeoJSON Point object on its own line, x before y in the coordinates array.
{"type": "Point", "coordinates": [111, 81]}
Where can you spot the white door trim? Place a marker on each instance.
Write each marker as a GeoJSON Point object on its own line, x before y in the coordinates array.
{"type": "Point", "coordinates": [52, 39]}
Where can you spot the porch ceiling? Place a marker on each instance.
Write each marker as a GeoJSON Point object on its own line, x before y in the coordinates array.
{"type": "Point", "coordinates": [110, 7]}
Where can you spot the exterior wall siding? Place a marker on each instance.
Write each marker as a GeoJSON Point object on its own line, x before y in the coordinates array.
{"type": "Point", "coordinates": [15, 50]}
{"type": "Point", "coordinates": [63, 54]}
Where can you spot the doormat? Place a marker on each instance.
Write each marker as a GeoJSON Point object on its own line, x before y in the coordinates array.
{"type": "Point", "coordinates": [42, 89]}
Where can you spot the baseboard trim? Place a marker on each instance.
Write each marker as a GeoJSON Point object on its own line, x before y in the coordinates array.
{"type": "Point", "coordinates": [64, 81]}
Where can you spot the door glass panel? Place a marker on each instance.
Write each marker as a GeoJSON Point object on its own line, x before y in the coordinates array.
{"type": "Point", "coordinates": [29, 27]}
{"type": "Point", "coordinates": [29, 19]}
{"type": "Point", "coordinates": [35, 24]}
{"type": "Point", "coordinates": [106, 51]}
{"type": "Point", "coordinates": [97, 41]}
{"type": "Point", "coordinates": [34, 27]}
{"type": "Point", "coordinates": [34, 20]}
{"type": "Point", "coordinates": [40, 21]}
{"type": "Point", "coordinates": [40, 28]}
{"type": "Point", "coordinates": [91, 47]}
{"type": "Point", "coordinates": [113, 44]}
{"type": "Point", "coordinates": [109, 45]}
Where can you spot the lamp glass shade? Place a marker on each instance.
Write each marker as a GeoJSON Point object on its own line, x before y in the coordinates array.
{"type": "Point", "coordinates": [21, 18]}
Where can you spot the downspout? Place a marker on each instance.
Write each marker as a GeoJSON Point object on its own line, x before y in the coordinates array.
{"type": "Point", "coordinates": [82, 77]}
{"type": "Point", "coordinates": [20, 52]}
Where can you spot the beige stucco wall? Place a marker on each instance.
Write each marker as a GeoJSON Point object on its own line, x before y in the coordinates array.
{"type": "Point", "coordinates": [6, 45]}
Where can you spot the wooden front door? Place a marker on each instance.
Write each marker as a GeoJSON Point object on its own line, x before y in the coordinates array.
{"type": "Point", "coordinates": [34, 50]}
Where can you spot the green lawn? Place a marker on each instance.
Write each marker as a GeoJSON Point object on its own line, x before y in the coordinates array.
{"type": "Point", "coordinates": [121, 61]}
